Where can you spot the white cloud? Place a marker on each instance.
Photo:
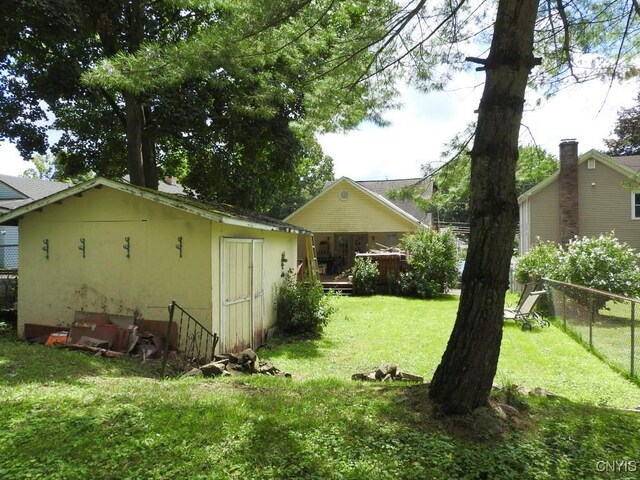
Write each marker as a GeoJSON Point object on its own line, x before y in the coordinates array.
{"type": "Point", "coordinates": [11, 163]}
{"type": "Point", "coordinates": [428, 121]}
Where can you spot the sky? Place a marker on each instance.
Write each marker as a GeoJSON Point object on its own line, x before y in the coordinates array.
{"type": "Point", "coordinates": [426, 122]}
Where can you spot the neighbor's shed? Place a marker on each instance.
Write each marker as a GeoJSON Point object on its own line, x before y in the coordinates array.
{"type": "Point", "coordinates": [107, 246]}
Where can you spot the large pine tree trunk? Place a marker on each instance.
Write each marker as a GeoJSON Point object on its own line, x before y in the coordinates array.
{"type": "Point", "coordinates": [135, 122]}
{"type": "Point", "coordinates": [133, 108]}
{"type": "Point", "coordinates": [465, 375]}
{"type": "Point", "coordinates": [150, 165]}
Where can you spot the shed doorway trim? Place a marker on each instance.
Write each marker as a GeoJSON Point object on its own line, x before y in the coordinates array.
{"type": "Point", "coordinates": [241, 294]}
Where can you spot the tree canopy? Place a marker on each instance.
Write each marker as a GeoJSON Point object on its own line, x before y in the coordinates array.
{"type": "Point", "coordinates": [626, 140]}
{"type": "Point", "coordinates": [452, 181]}
{"type": "Point", "coordinates": [223, 95]}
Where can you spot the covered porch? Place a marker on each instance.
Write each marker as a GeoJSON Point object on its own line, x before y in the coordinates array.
{"type": "Point", "coordinates": [336, 252]}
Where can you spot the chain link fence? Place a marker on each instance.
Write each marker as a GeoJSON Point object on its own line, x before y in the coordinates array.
{"type": "Point", "coordinates": [8, 276]}
{"type": "Point", "coordinates": [8, 258]}
{"type": "Point", "coordinates": [606, 322]}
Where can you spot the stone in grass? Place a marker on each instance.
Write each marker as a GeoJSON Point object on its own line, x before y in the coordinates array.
{"type": "Point", "coordinates": [213, 369]}
{"type": "Point", "coordinates": [194, 372]}
{"type": "Point", "coordinates": [541, 392]}
{"type": "Point", "coordinates": [229, 357]}
{"type": "Point", "coordinates": [488, 422]}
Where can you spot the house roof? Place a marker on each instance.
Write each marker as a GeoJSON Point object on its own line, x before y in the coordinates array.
{"type": "Point", "coordinates": [25, 190]}
{"type": "Point", "coordinates": [382, 188]}
{"type": "Point", "coordinates": [631, 161]}
{"type": "Point", "coordinates": [216, 212]}
{"type": "Point", "coordinates": [622, 165]}
{"type": "Point", "coordinates": [369, 192]}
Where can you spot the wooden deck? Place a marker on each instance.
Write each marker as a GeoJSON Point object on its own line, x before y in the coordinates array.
{"type": "Point", "coordinates": [342, 286]}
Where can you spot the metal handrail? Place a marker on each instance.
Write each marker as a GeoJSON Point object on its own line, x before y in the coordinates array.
{"type": "Point", "coordinates": [194, 341]}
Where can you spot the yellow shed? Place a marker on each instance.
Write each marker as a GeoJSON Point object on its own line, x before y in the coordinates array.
{"type": "Point", "coordinates": [107, 246]}
{"type": "Point", "coordinates": [349, 217]}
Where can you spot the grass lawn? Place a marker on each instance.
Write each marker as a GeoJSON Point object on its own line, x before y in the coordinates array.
{"type": "Point", "coordinates": [611, 331]}
{"type": "Point", "coordinates": [368, 331]}
{"type": "Point", "coordinates": [66, 415]}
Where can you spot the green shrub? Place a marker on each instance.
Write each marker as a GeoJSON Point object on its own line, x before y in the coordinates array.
{"type": "Point", "coordinates": [301, 308]}
{"type": "Point", "coordinates": [365, 276]}
{"type": "Point", "coordinates": [432, 263]}
{"type": "Point", "coordinates": [602, 263]}
{"type": "Point", "coordinates": [542, 261]}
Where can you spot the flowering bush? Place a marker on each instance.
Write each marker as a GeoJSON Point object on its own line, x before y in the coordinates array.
{"type": "Point", "coordinates": [602, 263]}
{"type": "Point", "coordinates": [543, 260]}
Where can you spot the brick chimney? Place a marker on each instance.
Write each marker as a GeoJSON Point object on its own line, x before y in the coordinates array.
{"type": "Point", "coordinates": [568, 190]}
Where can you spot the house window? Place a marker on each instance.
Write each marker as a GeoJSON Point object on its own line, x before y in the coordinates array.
{"type": "Point", "coordinates": [635, 205]}
{"type": "Point", "coordinates": [392, 240]}
{"type": "Point", "coordinates": [344, 195]}
{"type": "Point", "coordinates": [591, 163]}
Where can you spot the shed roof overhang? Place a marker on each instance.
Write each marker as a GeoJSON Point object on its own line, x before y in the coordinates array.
{"type": "Point", "coordinates": [216, 213]}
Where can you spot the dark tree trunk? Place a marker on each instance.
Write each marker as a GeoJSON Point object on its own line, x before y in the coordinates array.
{"type": "Point", "coordinates": [135, 122]}
{"type": "Point", "coordinates": [463, 380]}
{"type": "Point", "coordinates": [149, 151]}
{"type": "Point", "coordinates": [133, 107]}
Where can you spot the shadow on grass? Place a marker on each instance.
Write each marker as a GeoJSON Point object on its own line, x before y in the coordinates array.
{"type": "Point", "coordinates": [511, 325]}
{"type": "Point", "coordinates": [22, 363]}
{"type": "Point", "coordinates": [260, 429]}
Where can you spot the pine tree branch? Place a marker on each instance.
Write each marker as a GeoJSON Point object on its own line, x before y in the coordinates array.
{"type": "Point", "coordinates": [399, 59]}
{"type": "Point", "coordinates": [114, 106]}
{"type": "Point", "coordinates": [619, 53]}
{"type": "Point", "coordinates": [566, 43]}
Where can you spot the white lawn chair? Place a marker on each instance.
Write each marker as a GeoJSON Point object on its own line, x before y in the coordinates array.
{"type": "Point", "coordinates": [524, 313]}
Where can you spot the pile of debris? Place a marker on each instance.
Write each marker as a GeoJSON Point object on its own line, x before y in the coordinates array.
{"type": "Point", "coordinates": [234, 364]}
{"type": "Point", "coordinates": [387, 373]}
{"type": "Point", "coordinates": [100, 335]}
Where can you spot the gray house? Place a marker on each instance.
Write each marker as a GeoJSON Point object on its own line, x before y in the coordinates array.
{"type": "Point", "coordinates": [15, 192]}
{"type": "Point", "coordinates": [591, 194]}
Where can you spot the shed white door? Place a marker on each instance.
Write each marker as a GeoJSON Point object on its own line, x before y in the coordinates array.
{"type": "Point", "coordinates": [242, 294]}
